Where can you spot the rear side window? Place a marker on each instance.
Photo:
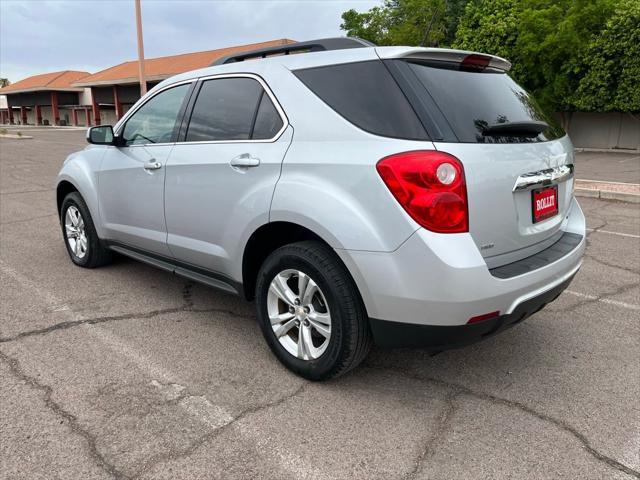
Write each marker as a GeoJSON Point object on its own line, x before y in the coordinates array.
{"type": "Point", "coordinates": [227, 108]}
{"type": "Point", "coordinates": [366, 95]}
{"type": "Point", "coordinates": [268, 121]}
{"type": "Point", "coordinates": [473, 101]}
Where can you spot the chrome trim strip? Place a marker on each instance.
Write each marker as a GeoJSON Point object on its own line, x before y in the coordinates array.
{"type": "Point", "coordinates": [283, 116]}
{"type": "Point", "coordinates": [543, 178]}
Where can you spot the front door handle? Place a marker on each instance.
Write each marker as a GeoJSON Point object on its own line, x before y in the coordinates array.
{"type": "Point", "coordinates": [244, 161]}
{"type": "Point", "coordinates": [152, 165]}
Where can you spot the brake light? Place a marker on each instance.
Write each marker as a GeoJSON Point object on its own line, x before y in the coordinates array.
{"type": "Point", "coordinates": [475, 62]}
{"type": "Point", "coordinates": [430, 186]}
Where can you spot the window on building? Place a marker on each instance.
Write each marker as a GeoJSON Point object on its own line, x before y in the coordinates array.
{"type": "Point", "coordinates": [155, 121]}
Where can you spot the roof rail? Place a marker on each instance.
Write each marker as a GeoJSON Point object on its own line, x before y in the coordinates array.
{"type": "Point", "coordinates": [323, 44]}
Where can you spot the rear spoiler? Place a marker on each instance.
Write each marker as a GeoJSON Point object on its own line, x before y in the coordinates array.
{"type": "Point", "coordinates": [472, 61]}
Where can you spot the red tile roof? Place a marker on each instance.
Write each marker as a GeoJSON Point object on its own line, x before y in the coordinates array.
{"type": "Point", "coordinates": [164, 67]}
{"type": "Point", "coordinates": [60, 81]}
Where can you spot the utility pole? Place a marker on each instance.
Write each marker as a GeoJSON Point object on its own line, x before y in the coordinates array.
{"type": "Point", "coordinates": [426, 34]}
{"type": "Point", "coordinates": [143, 82]}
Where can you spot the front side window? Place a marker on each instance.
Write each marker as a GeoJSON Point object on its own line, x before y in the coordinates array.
{"type": "Point", "coordinates": [232, 109]}
{"type": "Point", "coordinates": [155, 121]}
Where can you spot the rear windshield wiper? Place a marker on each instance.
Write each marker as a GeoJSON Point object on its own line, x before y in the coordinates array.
{"type": "Point", "coordinates": [515, 129]}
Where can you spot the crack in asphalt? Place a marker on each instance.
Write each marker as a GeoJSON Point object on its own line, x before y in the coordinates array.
{"type": "Point", "coordinates": [25, 220]}
{"type": "Point", "coordinates": [593, 258]}
{"type": "Point", "coordinates": [126, 316]}
{"type": "Point", "coordinates": [442, 428]}
{"type": "Point", "coordinates": [562, 425]}
{"type": "Point", "coordinates": [605, 223]}
{"type": "Point", "coordinates": [187, 294]}
{"type": "Point", "coordinates": [598, 298]}
{"type": "Point", "coordinates": [159, 459]}
{"type": "Point", "coordinates": [155, 460]}
{"type": "Point", "coordinates": [28, 191]}
{"type": "Point", "coordinates": [13, 176]}
{"type": "Point", "coordinates": [72, 421]}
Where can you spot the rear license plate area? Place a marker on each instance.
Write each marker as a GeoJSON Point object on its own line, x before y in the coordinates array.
{"type": "Point", "coordinates": [544, 203]}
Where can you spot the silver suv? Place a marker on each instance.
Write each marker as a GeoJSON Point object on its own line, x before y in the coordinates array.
{"type": "Point", "coordinates": [397, 195]}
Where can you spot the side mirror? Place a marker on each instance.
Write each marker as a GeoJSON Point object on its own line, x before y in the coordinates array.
{"type": "Point", "coordinates": [101, 135]}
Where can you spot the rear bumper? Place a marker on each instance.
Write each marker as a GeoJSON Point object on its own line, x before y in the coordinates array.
{"type": "Point", "coordinates": [439, 338]}
{"type": "Point", "coordinates": [442, 281]}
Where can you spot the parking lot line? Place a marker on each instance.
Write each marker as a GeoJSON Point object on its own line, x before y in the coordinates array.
{"type": "Point", "coordinates": [208, 413]}
{"type": "Point", "coordinates": [630, 235]}
{"type": "Point", "coordinates": [214, 416]}
{"type": "Point", "coordinates": [617, 303]}
{"type": "Point", "coordinates": [50, 300]}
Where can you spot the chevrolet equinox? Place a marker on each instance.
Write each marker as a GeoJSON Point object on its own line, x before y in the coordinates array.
{"type": "Point", "coordinates": [400, 196]}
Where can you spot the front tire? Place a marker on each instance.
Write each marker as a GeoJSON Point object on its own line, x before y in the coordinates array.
{"type": "Point", "coordinates": [80, 237]}
{"type": "Point", "coordinates": [310, 311]}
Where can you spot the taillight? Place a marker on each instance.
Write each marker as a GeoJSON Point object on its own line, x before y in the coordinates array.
{"type": "Point", "coordinates": [430, 186]}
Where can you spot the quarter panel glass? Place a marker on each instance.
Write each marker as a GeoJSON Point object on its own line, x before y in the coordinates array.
{"type": "Point", "coordinates": [268, 121]}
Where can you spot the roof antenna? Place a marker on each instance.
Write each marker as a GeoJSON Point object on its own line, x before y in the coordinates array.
{"type": "Point", "coordinates": [426, 34]}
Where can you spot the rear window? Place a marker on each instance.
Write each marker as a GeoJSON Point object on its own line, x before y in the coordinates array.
{"type": "Point", "coordinates": [472, 101]}
{"type": "Point", "coordinates": [366, 95]}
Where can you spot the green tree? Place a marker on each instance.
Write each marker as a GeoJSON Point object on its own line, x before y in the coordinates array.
{"type": "Point", "coordinates": [4, 82]}
{"type": "Point", "coordinates": [544, 39]}
{"type": "Point", "coordinates": [610, 68]}
{"type": "Point", "coordinates": [453, 12]}
{"type": "Point", "coordinates": [553, 38]}
{"type": "Point", "coordinates": [490, 26]}
{"type": "Point", "coordinates": [570, 54]}
{"type": "Point", "coordinates": [400, 22]}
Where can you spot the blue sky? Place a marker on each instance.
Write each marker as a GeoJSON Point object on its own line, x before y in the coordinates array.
{"type": "Point", "coordinates": [38, 36]}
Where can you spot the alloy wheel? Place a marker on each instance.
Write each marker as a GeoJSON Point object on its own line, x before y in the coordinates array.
{"type": "Point", "coordinates": [299, 314]}
{"type": "Point", "coordinates": [75, 231]}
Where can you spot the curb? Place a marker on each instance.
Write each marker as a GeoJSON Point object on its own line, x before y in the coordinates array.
{"type": "Point", "coordinates": [607, 195]}
{"type": "Point", "coordinates": [631, 151]}
{"type": "Point", "coordinates": [621, 191]}
{"type": "Point", "coordinates": [15, 137]}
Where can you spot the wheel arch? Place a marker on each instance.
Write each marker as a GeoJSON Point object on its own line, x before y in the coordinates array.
{"type": "Point", "coordinates": [268, 238]}
{"type": "Point", "coordinates": [265, 240]}
{"type": "Point", "coordinates": [64, 188]}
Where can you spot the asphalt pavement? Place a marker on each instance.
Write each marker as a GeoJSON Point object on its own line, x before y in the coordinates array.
{"type": "Point", "coordinates": [130, 372]}
{"type": "Point", "coordinates": [621, 167]}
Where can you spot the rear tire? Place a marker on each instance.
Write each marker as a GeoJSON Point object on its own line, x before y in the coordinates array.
{"type": "Point", "coordinates": [326, 329]}
{"type": "Point", "coordinates": [80, 237]}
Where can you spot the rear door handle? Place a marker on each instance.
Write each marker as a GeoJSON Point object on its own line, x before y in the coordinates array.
{"type": "Point", "coordinates": [152, 165]}
{"type": "Point", "coordinates": [244, 161]}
